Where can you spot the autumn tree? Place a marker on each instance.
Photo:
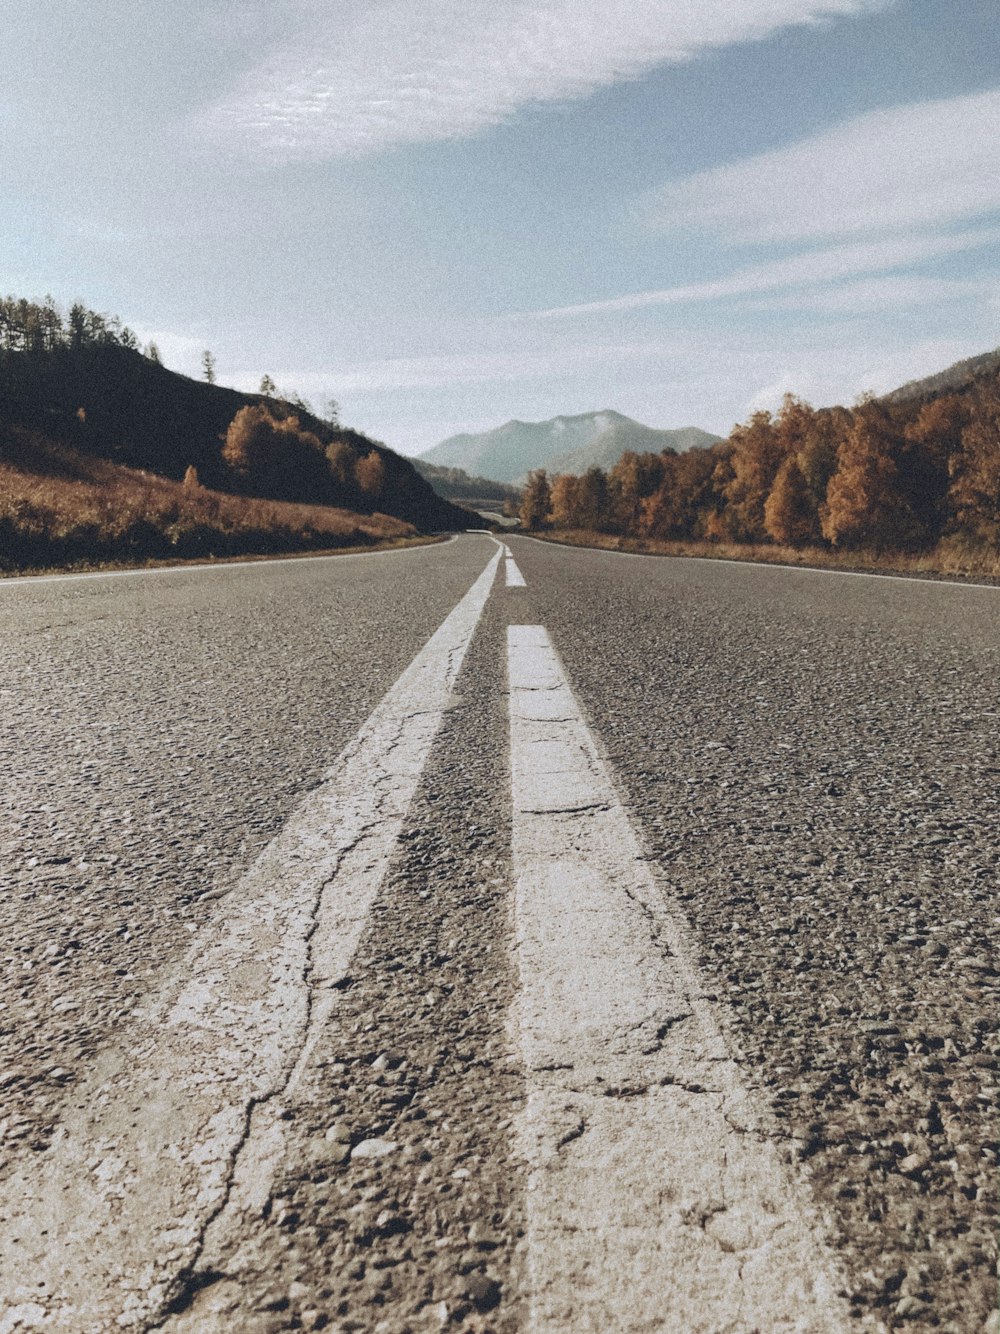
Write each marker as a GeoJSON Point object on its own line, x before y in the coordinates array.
{"type": "Point", "coordinates": [536, 500]}
{"type": "Point", "coordinates": [687, 498]}
{"type": "Point", "coordinates": [808, 444]}
{"type": "Point", "coordinates": [593, 509]}
{"type": "Point", "coordinates": [275, 456]}
{"type": "Point", "coordinates": [789, 513]}
{"type": "Point", "coordinates": [933, 440]}
{"type": "Point", "coordinates": [757, 452]}
{"type": "Point", "coordinates": [562, 501]}
{"type": "Point", "coordinates": [866, 505]}
{"type": "Point", "coordinates": [341, 459]}
{"type": "Point", "coordinates": [632, 479]}
{"type": "Point", "coordinates": [369, 472]}
{"type": "Point", "coordinates": [975, 485]}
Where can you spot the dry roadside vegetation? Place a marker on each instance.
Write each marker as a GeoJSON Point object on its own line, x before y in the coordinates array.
{"type": "Point", "coordinates": [60, 508]}
{"type": "Point", "coordinates": [955, 559]}
{"type": "Point", "coordinates": [108, 457]}
{"type": "Point", "coordinates": [909, 485]}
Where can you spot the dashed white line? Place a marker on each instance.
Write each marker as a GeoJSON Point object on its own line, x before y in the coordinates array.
{"type": "Point", "coordinates": [656, 1199]}
{"type": "Point", "coordinates": [515, 579]}
{"type": "Point", "coordinates": [95, 1233]}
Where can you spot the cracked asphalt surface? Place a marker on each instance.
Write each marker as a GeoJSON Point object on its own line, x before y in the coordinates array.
{"type": "Point", "coordinates": [811, 761]}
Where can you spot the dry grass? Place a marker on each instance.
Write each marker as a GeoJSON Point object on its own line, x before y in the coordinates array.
{"type": "Point", "coordinates": [952, 557]}
{"type": "Point", "coordinates": [88, 511]}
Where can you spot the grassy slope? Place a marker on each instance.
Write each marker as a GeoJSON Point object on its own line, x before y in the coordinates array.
{"type": "Point", "coordinates": [950, 559]}
{"type": "Point", "coordinates": [113, 403]}
{"type": "Point", "coordinates": [94, 444]}
{"type": "Point", "coordinates": [59, 507]}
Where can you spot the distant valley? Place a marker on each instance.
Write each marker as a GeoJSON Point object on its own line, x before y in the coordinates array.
{"type": "Point", "coordinates": [563, 444]}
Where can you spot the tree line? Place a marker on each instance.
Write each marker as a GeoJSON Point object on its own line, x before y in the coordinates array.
{"type": "Point", "coordinates": [274, 454]}
{"type": "Point", "coordinates": [881, 476]}
{"type": "Point", "coordinates": [40, 326]}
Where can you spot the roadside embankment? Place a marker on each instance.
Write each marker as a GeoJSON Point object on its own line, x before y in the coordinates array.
{"type": "Point", "coordinates": [947, 560]}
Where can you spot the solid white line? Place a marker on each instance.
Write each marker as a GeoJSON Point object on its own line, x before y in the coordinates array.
{"type": "Point", "coordinates": [656, 1200]}
{"type": "Point", "coordinates": [932, 581]}
{"type": "Point", "coordinates": [96, 1230]}
{"type": "Point", "coordinates": [515, 579]}
{"type": "Point", "coordinates": [249, 562]}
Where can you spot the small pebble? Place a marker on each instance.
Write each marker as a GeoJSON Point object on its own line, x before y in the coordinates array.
{"type": "Point", "coordinates": [374, 1148]}
{"type": "Point", "coordinates": [910, 1308]}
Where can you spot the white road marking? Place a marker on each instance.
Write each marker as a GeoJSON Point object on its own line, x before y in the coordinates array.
{"type": "Point", "coordinates": [656, 1199]}
{"type": "Point", "coordinates": [7, 581]}
{"type": "Point", "coordinates": [95, 1232]}
{"type": "Point", "coordinates": [515, 579]}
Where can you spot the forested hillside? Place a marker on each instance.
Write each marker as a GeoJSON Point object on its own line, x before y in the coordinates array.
{"type": "Point", "coordinates": [901, 474]}
{"type": "Point", "coordinates": [81, 381]}
{"type": "Point", "coordinates": [456, 484]}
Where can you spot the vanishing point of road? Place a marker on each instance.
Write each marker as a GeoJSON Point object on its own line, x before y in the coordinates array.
{"type": "Point", "coordinates": [501, 938]}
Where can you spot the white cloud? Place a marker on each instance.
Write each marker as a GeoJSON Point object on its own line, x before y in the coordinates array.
{"type": "Point", "coordinates": [917, 165]}
{"type": "Point", "coordinates": [890, 292]}
{"type": "Point", "coordinates": [447, 370]}
{"type": "Point", "coordinates": [802, 270]}
{"type": "Point", "coordinates": [364, 75]}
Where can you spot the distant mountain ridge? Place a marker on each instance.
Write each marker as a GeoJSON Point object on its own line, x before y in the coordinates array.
{"type": "Point", "coordinates": [955, 377]}
{"type": "Point", "coordinates": [562, 444]}
{"type": "Point", "coordinates": [456, 485]}
{"type": "Point", "coordinates": [606, 449]}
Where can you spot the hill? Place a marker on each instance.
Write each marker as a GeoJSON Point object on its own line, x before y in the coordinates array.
{"type": "Point", "coordinates": [913, 474]}
{"type": "Point", "coordinates": [953, 379]}
{"type": "Point", "coordinates": [606, 449]}
{"type": "Point", "coordinates": [59, 507]}
{"type": "Point", "coordinates": [456, 484]}
{"type": "Point", "coordinates": [82, 384]}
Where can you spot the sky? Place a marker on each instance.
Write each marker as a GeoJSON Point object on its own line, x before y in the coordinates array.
{"type": "Point", "coordinates": [450, 213]}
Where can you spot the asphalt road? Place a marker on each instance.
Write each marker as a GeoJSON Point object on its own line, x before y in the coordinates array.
{"type": "Point", "coordinates": [808, 766]}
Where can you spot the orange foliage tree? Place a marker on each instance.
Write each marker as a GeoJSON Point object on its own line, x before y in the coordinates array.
{"type": "Point", "coordinates": [757, 452]}
{"type": "Point", "coordinates": [866, 505]}
{"type": "Point", "coordinates": [274, 455]}
{"type": "Point", "coordinates": [369, 472]}
{"type": "Point", "coordinates": [975, 485]}
{"type": "Point", "coordinates": [536, 500]}
{"type": "Point", "coordinates": [633, 479]}
{"type": "Point", "coordinates": [562, 501]}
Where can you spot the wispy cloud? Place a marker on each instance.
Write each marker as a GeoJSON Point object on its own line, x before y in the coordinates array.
{"type": "Point", "coordinates": [922, 164]}
{"type": "Point", "coordinates": [365, 75]}
{"type": "Point", "coordinates": [447, 370]}
{"type": "Point", "coordinates": [796, 271]}
{"type": "Point", "coordinates": [889, 292]}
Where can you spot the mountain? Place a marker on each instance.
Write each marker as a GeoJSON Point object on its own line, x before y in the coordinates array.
{"type": "Point", "coordinates": [953, 379]}
{"type": "Point", "coordinates": [510, 451]}
{"type": "Point", "coordinates": [606, 449]}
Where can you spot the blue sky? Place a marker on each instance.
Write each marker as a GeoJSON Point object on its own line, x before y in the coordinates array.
{"type": "Point", "coordinates": [448, 213]}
